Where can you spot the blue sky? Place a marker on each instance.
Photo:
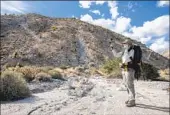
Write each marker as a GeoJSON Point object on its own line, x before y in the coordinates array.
{"type": "Point", "coordinates": [144, 21]}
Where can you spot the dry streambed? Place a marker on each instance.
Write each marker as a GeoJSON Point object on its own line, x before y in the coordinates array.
{"type": "Point", "coordinates": [89, 96]}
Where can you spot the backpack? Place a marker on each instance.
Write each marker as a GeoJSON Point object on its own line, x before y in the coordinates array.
{"type": "Point", "coordinates": [137, 54]}
{"type": "Point", "coordinates": [136, 60]}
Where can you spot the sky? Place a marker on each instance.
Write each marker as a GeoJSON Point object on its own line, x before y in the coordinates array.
{"type": "Point", "coordinates": [144, 21]}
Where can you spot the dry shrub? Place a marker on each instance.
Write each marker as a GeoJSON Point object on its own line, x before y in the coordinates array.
{"type": "Point", "coordinates": [29, 72]}
{"type": "Point", "coordinates": [93, 71]}
{"type": "Point", "coordinates": [58, 69]}
{"type": "Point", "coordinates": [46, 68]}
{"type": "Point", "coordinates": [164, 74]}
{"type": "Point", "coordinates": [44, 77]}
{"type": "Point", "coordinates": [55, 74]}
{"type": "Point", "coordinates": [13, 86]}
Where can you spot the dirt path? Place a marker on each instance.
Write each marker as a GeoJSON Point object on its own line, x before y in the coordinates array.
{"type": "Point", "coordinates": [101, 99]}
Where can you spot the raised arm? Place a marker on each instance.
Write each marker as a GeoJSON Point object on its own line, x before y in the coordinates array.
{"type": "Point", "coordinates": [117, 54]}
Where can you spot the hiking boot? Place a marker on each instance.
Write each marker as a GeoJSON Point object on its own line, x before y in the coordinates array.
{"type": "Point", "coordinates": [126, 102]}
{"type": "Point", "coordinates": [131, 103]}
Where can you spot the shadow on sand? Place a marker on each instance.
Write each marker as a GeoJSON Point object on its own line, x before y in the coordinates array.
{"type": "Point", "coordinates": [164, 109]}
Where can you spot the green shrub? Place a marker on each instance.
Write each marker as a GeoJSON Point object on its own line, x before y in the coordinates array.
{"type": "Point", "coordinates": [54, 28]}
{"type": "Point", "coordinates": [149, 71]}
{"type": "Point", "coordinates": [55, 74]}
{"type": "Point", "coordinates": [13, 86]}
{"type": "Point", "coordinates": [111, 67]}
{"type": "Point", "coordinates": [44, 77]}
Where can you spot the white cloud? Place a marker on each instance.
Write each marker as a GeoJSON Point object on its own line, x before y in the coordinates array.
{"type": "Point", "coordinates": [162, 3]}
{"type": "Point", "coordinates": [86, 18]}
{"type": "Point", "coordinates": [160, 45]}
{"type": "Point", "coordinates": [113, 9]}
{"type": "Point", "coordinates": [95, 11]}
{"type": "Point", "coordinates": [87, 4]}
{"type": "Point", "coordinates": [107, 23]}
{"type": "Point", "coordinates": [13, 7]}
{"type": "Point", "coordinates": [100, 2]}
{"type": "Point", "coordinates": [111, 4]}
{"type": "Point", "coordinates": [145, 40]}
{"type": "Point", "coordinates": [155, 28]}
{"type": "Point", "coordinates": [122, 24]}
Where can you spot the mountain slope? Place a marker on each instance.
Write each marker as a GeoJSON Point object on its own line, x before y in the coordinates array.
{"type": "Point", "coordinates": [41, 40]}
{"type": "Point", "coordinates": [166, 54]}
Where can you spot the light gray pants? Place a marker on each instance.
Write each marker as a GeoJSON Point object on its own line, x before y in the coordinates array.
{"type": "Point", "coordinates": [128, 81]}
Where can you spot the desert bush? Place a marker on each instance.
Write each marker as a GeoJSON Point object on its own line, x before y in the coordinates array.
{"type": "Point", "coordinates": [29, 72]}
{"type": "Point", "coordinates": [13, 86]}
{"type": "Point", "coordinates": [63, 67]}
{"type": "Point", "coordinates": [111, 67]}
{"type": "Point", "coordinates": [55, 74]}
{"type": "Point", "coordinates": [149, 71]}
{"type": "Point", "coordinates": [44, 77]}
{"type": "Point", "coordinates": [46, 68]}
{"type": "Point", "coordinates": [164, 74]}
{"type": "Point", "coordinates": [54, 28]}
{"type": "Point", "coordinates": [80, 68]}
{"type": "Point", "coordinates": [93, 70]}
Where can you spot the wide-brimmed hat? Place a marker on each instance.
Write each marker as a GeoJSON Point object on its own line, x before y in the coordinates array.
{"type": "Point", "coordinates": [127, 42]}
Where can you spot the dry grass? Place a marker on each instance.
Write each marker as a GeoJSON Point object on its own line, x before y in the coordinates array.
{"type": "Point", "coordinates": [55, 74]}
{"type": "Point", "coordinates": [13, 86]}
{"type": "Point", "coordinates": [164, 74]}
{"type": "Point", "coordinates": [38, 73]}
{"type": "Point", "coordinates": [29, 72]}
{"type": "Point", "coordinates": [46, 68]}
{"type": "Point", "coordinates": [44, 77]}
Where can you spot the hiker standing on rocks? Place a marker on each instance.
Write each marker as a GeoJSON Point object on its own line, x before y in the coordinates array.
{"type": "Point", "coordinates": [128, 72]}
{"type": "Point", "coordinates": [131, 68]}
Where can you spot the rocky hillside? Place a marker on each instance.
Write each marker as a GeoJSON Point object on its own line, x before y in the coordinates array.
{"type": "Point", "coordinates": [39, 40]}
{"type": "Point", "coordinates": [166, 54]}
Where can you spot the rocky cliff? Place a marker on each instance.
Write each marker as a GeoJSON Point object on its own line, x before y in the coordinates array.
{"type": "Point", "coordinates": [39, 40]}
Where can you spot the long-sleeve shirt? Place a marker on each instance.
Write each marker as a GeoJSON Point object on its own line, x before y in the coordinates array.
{"type": "Point", "coordinates": [124, 54]}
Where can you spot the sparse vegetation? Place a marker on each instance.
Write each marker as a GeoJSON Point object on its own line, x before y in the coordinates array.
{"type": "Point", "coordinates": [44, 77]}
{"type": "Point", "coordinates": [80, 68]}
{"type": "Point", "coordinates": [93, 70]}
{"type": "Point", "coordinates": [64, 67]}
{"type": "Point", "coordinates": [13, 86]}
{"type": "Point", "coordinates": [55, 74]}
{"type": "Point", "coordinates": [111, 67]}
{"type": "Point", "coordinates": [54, 28]}
{"type": "Point", "coordinates": [164, 74]}
{"type": "Point", "coordinates": [46, 68]}
{"type": "Point", "coordinates": [29, 72]}
{"type": "Point", "coordinates": [149, 71]}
